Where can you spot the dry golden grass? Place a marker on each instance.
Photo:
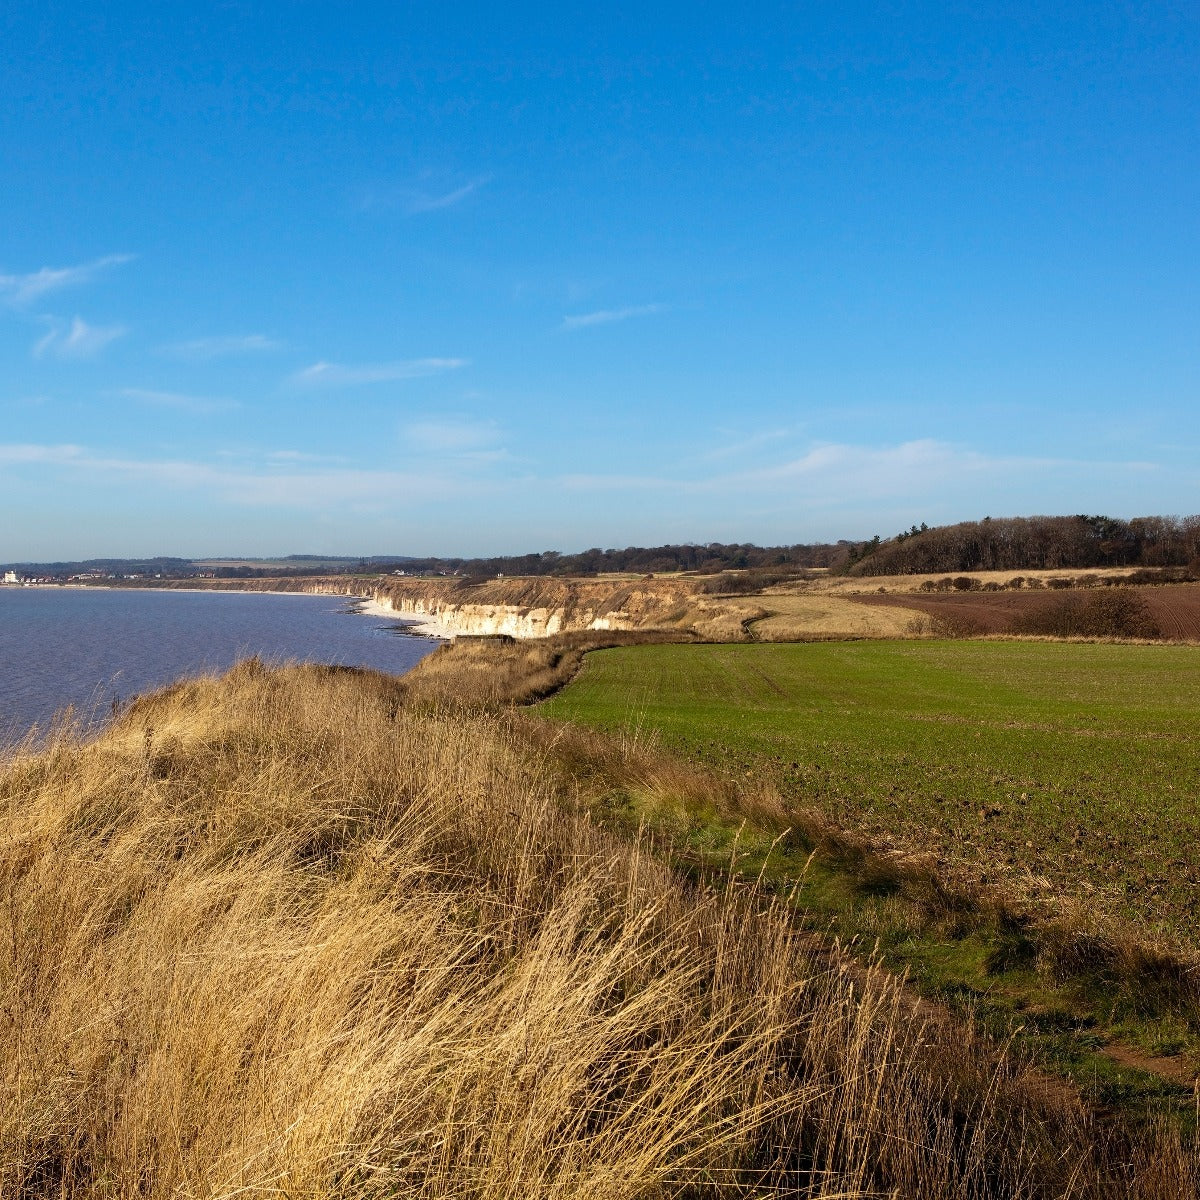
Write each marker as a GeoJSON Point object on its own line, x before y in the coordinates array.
{"type": "Point", "coordinates": [473, 673]}
{"type": "Point", "coordinates": [275, 935]}
{"type": "Point", "coordinates": [796, 617]}
{"type": "Point", "coordinates": [293, 933]}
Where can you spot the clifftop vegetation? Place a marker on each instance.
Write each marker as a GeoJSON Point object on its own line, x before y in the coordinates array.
{"type": "Point", "coordinates": [319, 933]}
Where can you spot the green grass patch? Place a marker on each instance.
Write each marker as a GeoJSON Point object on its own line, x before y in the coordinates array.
{"type": "Point", "coordinates": [1076, 763]}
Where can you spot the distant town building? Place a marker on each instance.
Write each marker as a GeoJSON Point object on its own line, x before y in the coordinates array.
{"type": "Point", "coordinates": [11, 577]}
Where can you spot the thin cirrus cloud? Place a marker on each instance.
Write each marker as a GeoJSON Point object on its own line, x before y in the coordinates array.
{"type": "Point", "coordinates": [331, 375]}
{"type": "Point", "coordinates": [452, 435]}
{"type": "Point", "coordinates": [799, 488]}
{"type": "Point", "coordinates": [206, 348]}
{"type": "Point", "coordinates": [298, 483]}
{"type": "Point", "coordinates": [22, 290]}
{"type": "Point", "coordinates": [76, 340]}
{"type": "Point", "coordinates": [201, 405]}
{"type": "Point", "coordinates": [609, 316]}
{"type": "Point", "coordinates": [829, 469]}
{"type": "Point", "coordinates": [292, 457]}
{"type": "Point", "coordinates": [415, 200]}
{"type": "Point", "coordinates": [756, 442]}
{"type": "Point", "coordinates": [830, 475]}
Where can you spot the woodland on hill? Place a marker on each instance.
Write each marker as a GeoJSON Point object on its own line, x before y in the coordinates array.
{"type": "Point", "coordinates": [1033, 543]}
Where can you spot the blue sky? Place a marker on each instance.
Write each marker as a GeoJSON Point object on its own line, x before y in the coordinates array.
{"type": "Point", "coordinates": [399, 278]}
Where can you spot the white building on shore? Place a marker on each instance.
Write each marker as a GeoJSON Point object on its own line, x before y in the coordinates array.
{"type": "Point", "coordinates": [11, 577]}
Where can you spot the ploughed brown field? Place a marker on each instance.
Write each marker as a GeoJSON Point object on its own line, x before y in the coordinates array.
{"type": "Point", "coordinates": [1174, 608]}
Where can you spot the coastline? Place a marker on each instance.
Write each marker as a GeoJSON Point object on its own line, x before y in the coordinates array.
{"type": "Point", "coordinates": [367, 606]}
{"type": "Point", "coordinates": [81, 647]}
{"type": "Point", "coordinates": [414, 625]}
{"type": "Point", "coordinates": [519, 607]}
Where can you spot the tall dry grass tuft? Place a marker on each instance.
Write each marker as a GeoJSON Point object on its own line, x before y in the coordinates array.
{"type": "Point", "coordinates": [492, 672]}
{"type": "Point", "coordinates": [284, 934]}
{"type": "Point", "coordinates": [274, 933]}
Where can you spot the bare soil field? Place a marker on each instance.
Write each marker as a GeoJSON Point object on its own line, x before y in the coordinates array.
{"type": "Point", "coordinates": [855, 585]}
{"type": "Point", "coordinates": [1175, 608]}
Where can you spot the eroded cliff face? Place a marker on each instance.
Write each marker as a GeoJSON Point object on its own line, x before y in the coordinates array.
{"type": "Point", "coordinates": [518, 607]}
{"type": "Point", "coordinates": [531, 608]}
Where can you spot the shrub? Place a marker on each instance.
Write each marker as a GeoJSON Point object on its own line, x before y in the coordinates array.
{"type": "Point", "coordinates": [1114, 612]}
{"type": "Point", "coordinates": [955, 625]}
{"type": "Point", "coordinates": [742, 583]}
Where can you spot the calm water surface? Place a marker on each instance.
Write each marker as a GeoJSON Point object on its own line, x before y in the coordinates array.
{"type": "Point", "coordinates": [61, 646]}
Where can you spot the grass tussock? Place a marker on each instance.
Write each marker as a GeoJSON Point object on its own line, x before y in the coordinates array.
{"type": "Point", "coordinates": [487, 673]}
{"type": "Point", "coordinates": [272, 934]}
{"type": "Point", "coordinates": [285, 933]}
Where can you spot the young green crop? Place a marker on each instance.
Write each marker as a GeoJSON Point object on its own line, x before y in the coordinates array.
{"type": "Point", "coordinates": [1072, 763]}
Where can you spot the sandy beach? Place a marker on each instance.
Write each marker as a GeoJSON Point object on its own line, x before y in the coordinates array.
{"type": "Point", "coordinates": [416, 626]}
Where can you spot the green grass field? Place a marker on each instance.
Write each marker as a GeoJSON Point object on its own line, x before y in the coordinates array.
{"type": "Point", "coordinates": [1074, 764]}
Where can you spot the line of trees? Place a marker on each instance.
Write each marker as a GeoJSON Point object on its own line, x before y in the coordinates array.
{"type": "Point", "coordinates": [1033, 543]}
{"type": "Point", "coordinates": [168, 568]}
{"type": "Point", "coordinates": [706, 559]}
{"type": "Point", "coordinates": [642, 560]}
{"type": "Point", "coordinates": [1001, 544]}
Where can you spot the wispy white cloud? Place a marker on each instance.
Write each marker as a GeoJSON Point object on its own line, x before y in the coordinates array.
{"type": "Point", "coordinates": [422, 199]}
{"type": "Point", "coordinates": [452, 435]}
{"type": "Point", "coordinates": [921, 465]}
{"type": "Point", "coordinates": [834, 474]}
{"type": "Point", "coordinates": [76, 340]}
{"type": "Point", "coordinates": [178, 400]}
{"type": "Point", "coordinates": [64, 454]}
{"type": "Point", "coordinates": [267, 481]}
{"type": "Point", "coordinates": [25, 289]}
{"type": "Point", "coordinates": [608, 316]}
{"type": "Point", "coordinates": [840, 486]}
{"type": "Point", "coordinates": [203, 349]}
{"type": "Point", "coordinates": [744, 445]}
{"type": "Point", "coordinates": [327, 374]}
{"type": "Point", "coordinates": [301, 456]}
{"type": "Point", "coordinates": [420, 202]}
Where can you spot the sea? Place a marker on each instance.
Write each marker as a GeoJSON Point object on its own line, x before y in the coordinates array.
{"type": "Point", "coordinates": [93, 648]}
